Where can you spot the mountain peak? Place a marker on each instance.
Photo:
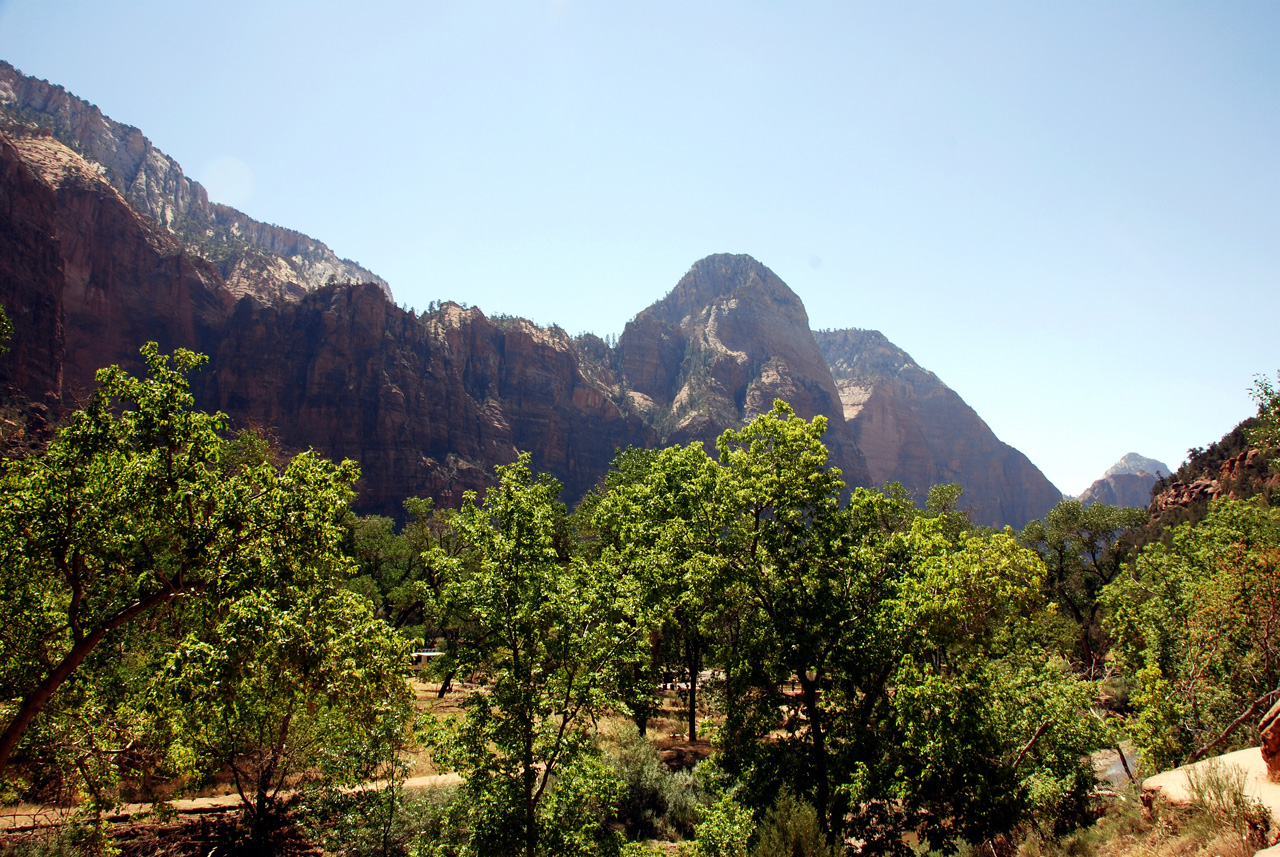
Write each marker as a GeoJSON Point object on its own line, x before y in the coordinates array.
{"type": "Point", "coordinates": [724, 276]}
{"type": "Point", "coordinates": [1134, 463]}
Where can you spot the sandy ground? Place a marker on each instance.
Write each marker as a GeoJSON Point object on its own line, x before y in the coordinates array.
{"type": "Point", "coordinates": [22, 818]}
{"type": "Point", "coordinates": [1173, 785]}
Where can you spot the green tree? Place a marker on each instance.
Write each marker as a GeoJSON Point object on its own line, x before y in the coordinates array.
{"type": "Point", "coordinates": [983, 728]}
{"type": "Point", "coordinates": [658, 525]}
{"type": "Point", "coordinates": [550, 632]}
{"type": "Point", "coordinates": [879, 662]}
{"type": "Point", "coordinates": [1193, 629]}
{"type": "Point", "coordinates": [289, 687]}
{"type": "Point", "coordinates": [1267, 434]}
{"type": "Point", "coordinates": [1084, 549]}
{"type": "Point", "coordinates": [136, 508]}
{"type": "Point", "coordinates": [791, 588]}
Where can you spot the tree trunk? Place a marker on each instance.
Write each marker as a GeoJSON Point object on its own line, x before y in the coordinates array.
{"type": "Point", "coordinates": [530, 806]}
{"type": "Point", "coordinates": [822, 788]}
{"type": "Point", "coordinates": [693, 653]}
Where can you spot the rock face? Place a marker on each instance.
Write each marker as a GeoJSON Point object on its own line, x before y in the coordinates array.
{"type": "Point", "coordinates": [426, 405]}
{"type": "Point", "coordinates": [105, 244]}
{"type": "Point", "coordinates": [1128, 482]}
{"type": "Point", "coordinates": [281, 263]}
{"type": "Point", "coordinates": [30, 281]}
{"type": "Point", "coordinates": [1269, 732]}
{"type": "Point", "coordinates": [719, 348]}
{"type": "Point", "coordinates": [124, 280]}
{"type": "Point", "coordinates": [1241, 475]}
{"type": "Point", "coordinates": [914, 429]}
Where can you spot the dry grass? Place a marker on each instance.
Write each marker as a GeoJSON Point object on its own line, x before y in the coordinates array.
{"type": "Point", "coordinates": [1128, 829]}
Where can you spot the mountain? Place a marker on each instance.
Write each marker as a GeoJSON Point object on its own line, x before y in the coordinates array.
{"type": "Point", "coordinates": [719, 348]}
{"type": "Point", "coordinates": [1128, 482]}
{"type": "Point", "coordinates": [251, 257]}
{"type": "Point", "coordinates": [105, 244]}
{"type": "Point", "coordinates": [914, 429]}
{"type": "Point", "coordinates": [427, 404]}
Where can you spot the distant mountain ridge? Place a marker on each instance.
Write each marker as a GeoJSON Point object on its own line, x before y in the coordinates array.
{"type": "Point", "coordinates": [253, 257]}
{"type": "Point", "coordinates": [1128, 482]}
{"type": "Point", "coordinates": [1133, 463]}
{"type": "Point", "coordinates": [97, 257]}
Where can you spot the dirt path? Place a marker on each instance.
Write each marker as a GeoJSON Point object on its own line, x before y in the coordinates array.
{"type": "Point", "coordinates": [27, 818]}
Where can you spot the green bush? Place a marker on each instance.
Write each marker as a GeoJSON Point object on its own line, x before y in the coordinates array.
{"type": "Point", "coordinates": [656, 803]}
{"type": "Point", "coordinates": [724, 830]}
{"type": "Point", "coordinates": [790, 829]}
{"type": "Point", "coordinates": [388, 822]}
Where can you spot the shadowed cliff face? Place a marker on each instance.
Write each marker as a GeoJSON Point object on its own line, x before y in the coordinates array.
{"type": "Point", "coordinates": [915, 430]}
{"type": "Point", "coordinates": [715, 352]}
{"type": "Point", "coordinates": [427, 405]}
{"type": "Point", "coordinates": [125, 281]}
{"type": "Point", "coordinates": [30, 281]}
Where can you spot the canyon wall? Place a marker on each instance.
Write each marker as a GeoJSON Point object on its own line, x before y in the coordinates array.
{"type": "Point", "coordinates": [105, 244]}
{"type": "Point", "coordinates": [916, 430]}
{"type": "Point", "coordinates": [286, 263]}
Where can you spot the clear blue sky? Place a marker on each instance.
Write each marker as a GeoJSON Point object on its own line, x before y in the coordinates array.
{"type": "Point", "coordinates": [1069, 212]}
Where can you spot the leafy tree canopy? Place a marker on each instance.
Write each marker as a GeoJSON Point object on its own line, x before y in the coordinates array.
{"type": "Point", "coordinates": [138, 523]}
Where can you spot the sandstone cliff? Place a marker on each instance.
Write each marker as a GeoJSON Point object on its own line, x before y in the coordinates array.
{"type": "Point", "coordinates": [427, 405]}
{"type": "Point", "coordinates": [124, 280]}
{"type": "Point", "coordinates": [30, 282]}
{"type": "Point", "coordinates": [719, 348]}
{"type": "Point", "coordinates": [914, 429]}
{"type": "Point", "coordinates": [254, 258]}
{"type": "Point", "coordinates": [105, 244]}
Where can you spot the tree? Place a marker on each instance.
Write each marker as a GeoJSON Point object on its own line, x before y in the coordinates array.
{"type": "Point", "coordinates": [879, 662]}
{"type": "Point", "coordinates": [137, 507]}
{"type": "Point", "coordinates": [983, 728]}
{"type": "Point", "coordinates": [792, 588]}
{"type": "Point", "coordinates": [1267, 434]}
{"type": "Point", "coordinates": [392, 569]}
{"type": "Point", "coordinates": [290, 686]}
{"type": "Point", "coordinates": [1194, 629]}
{"type": "Point", "coordinates": [549, 634]}
{"type": "Point", "coordinates": [660, 527]}
{"type": "Point", "coordinates": [1083, 550]}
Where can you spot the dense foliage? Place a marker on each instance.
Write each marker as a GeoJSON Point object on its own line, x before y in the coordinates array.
{"type": "Point", "coordinates": [1194, 626]}
{"type": "Point", "coordinates": [177, 603]}
{"type": "Point", "coordinates": [871, 675]}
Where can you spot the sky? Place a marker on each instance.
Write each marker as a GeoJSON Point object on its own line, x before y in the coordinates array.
{"type": "Point", "coordinates": [1069, 212]}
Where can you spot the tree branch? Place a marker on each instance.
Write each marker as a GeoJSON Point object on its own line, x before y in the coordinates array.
{"type": "Point", "coordinates": [1262, 702]}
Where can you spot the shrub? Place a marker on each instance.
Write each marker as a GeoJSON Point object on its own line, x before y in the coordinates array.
{"type": "Point", "coordinates": [790, 829]}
